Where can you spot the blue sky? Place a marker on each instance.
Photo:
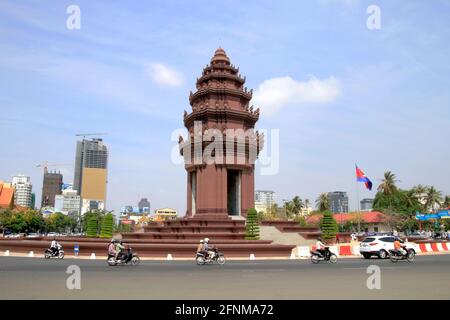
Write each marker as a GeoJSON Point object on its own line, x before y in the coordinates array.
{"type": "Point", "coordinates": [379, 98]}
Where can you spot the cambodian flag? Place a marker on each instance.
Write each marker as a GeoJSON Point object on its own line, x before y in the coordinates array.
{"type": "Point", "coordinates": [361, 177]}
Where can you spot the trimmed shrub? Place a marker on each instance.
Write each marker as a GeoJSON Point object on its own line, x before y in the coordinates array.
{"type": "Point", "coordinates": [92, 227]}
{"type": "Point", "coordinates": [107, 226]}
{"type": "Point", "coordinates": [252, 225]}
{"type": "Point", "coordinates": [328, 226]}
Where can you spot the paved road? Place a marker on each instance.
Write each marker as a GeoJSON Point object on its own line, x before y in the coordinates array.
{"type": "Point", "coordinates": [30, 278]}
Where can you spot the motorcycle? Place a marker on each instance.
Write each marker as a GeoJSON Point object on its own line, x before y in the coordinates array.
{"type": "Point", "coordinates": [204, 258]}
{"type": "Point", "coordinates": [50, 254]}
{"type": "Point", "coordinates": [317, 256]}
{"type": "Point", "coordinates": [396, 255]}
{"type": "Point", "coordinates": [124, 258]}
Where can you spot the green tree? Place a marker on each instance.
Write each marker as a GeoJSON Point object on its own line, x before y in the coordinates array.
{"type": "Point", "coordinates": [289, 209]}
{"type": "Point", "coordinates": [5, 218]}
{"type": "Point", "coordinates": [251, 225]}
{"type": "Point", "coordinates": [322, 203]}
{"type": "Point", "coordinates": [433, 199]}
{"type": "Point", "coordinates": [400, 207]}
{"type": "Point", "coordinates": [17, 223]}
{"type": "Point", "coordinates": [419, 190]}
{"type": "Point", "coordinates": [92, 227]}
{"type": "Point", "coordinates": [107, 226]}
{"type": "Point", "coordinates": [307, 203]}
{"type": "Point", "coordinates": [446, 203]}
{"type": "Point", "coordinates": [328, 226]}
{"type": "Point", "coordinates": [297, 204]}
{"type": "Point", "coordinates": [387, 185]}
{"type": "Point", "coordinates": [34, 220]}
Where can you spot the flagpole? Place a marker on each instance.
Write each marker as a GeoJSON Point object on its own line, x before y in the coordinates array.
{"type": "Point", "coordinates": [357, 204]}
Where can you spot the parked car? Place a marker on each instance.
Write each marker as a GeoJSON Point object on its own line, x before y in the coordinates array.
{"type": "Point", "coordinates": [12, 235]}
{"type": "Point", "coordinates": [33, 235]}
{"type": "Point", "coordinates": [380, 245]}
{"type": "Point", "coordinates": [52, 234]}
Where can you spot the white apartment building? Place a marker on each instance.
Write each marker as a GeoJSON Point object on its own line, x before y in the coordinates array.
{"type": "Point", "coordinates": [264, 199]}
{"type": "Point", "coordinates": [68, 202]}
{"type": "Point", "coordinates": [22, 192]}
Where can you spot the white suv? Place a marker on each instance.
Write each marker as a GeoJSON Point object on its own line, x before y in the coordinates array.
{"type": "Point", "coordinates": [380, 245]}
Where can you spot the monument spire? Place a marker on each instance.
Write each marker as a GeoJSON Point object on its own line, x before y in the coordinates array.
{"type": "Point", "coordinates": [221, 102]}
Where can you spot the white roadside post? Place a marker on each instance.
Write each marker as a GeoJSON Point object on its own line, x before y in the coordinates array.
{"type": "Point", "coordinates": [169, 256]}
{"type": "Point", "coordinates": [252, 256]}
{"type": "Point", "coordinates": [92, 257]}
{"type": "Point", "coordinates": [6, 254]}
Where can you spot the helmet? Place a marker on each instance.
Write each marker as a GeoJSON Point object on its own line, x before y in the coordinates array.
{"type": "Point", "coordinates": [206, 240]}
{"type": "Point", "coordinates": [201, 241]}
{"type": "Point", "coordinates": [112, 240]}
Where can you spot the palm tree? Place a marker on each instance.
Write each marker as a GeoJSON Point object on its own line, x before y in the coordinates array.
{"type": "Point", "coordinates": [387, 185]}
{"type": "Point", "coordinates": [322, 202]}
{"type": "Point", "coordinates": [446, 203]}
{"type": "Point", "coordinates": [290, 208]}
{"type": "Point", "coordinates": [297, 204]}
{"type": "Point", "coordinates": [307, 205]}
{"type": "Point", "coordinates": [433, 197]}
{"type": "Point", "coordinates": [419, 190]}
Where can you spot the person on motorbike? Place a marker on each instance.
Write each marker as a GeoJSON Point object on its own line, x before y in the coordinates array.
{"type": "Point", "coordinates": [200, 247]}
{"type": "Point", "coordinates": [399, 246]}
{"type": "Point", "coordinates": [321, 247]}
{"type": "Point", "coordinates": [112, 248]}
{"type": "Point", "coordinates": [54, 246]}
{"type": "Point", "coordinates": [119, 248]}
{"type": "Point", "coordinates": [208, 249]}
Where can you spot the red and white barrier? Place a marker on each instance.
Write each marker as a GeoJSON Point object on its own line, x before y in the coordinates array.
{"type": "Point", "coordinates": [353, 250]}
{"type": "Point", "coordinates": [434, 247]}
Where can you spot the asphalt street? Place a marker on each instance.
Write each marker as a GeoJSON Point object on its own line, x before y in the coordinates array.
{"type": "Point", "coordinates": [35, 278]}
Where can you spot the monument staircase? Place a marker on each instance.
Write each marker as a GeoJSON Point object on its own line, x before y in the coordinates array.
{"type": "Point", "coordinates": [180, 238]}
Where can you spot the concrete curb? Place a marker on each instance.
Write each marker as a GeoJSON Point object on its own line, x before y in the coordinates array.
{"type": "Point", "coordinates": [100, 258]}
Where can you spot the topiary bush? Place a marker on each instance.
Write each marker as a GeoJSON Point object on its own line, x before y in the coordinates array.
{"type": "Point", "coordinates": [252, 225]}
{"type": "Point", "coordinates": [92, 227]}
{"type": "Point", "coordinates": [328, 226]}
{"type": "Point", "coordinates": [107, 226]}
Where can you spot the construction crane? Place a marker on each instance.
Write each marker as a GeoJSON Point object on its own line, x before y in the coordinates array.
{"type": "Point", "coordinates": [84, 135]}
{"type": "Point", "coordinates": [45, 165]}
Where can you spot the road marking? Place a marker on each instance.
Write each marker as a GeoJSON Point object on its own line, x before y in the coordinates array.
{"type": "Point", "coordinates": [382, 267]}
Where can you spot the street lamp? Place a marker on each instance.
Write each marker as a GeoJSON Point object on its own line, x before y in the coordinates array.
{"type": "Point", "coordinates": [285, 207]}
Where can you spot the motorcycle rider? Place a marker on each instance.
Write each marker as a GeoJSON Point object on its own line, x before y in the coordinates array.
{"type": "Point", "coordinates": [208, 248]}
{"type": "Point", "coordinates": [320, 247]}
{"type": "Point", "coordinates": [119, 248]}
{"type": "Point", "coordinates": [112, 248]}
{"type": "Point", "coordinates": [200, 247]}
{"type": "Point", "coordinates": [399, 246]}
{"type": "Point", "coordinates": [55, 246]}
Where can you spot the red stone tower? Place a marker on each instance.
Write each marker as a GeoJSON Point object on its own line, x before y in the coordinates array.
{"type": "Point", "coordinates": [223, 184]}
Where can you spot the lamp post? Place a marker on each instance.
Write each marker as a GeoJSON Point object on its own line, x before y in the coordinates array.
{"type": "Point", "coordinates": [285, 207]}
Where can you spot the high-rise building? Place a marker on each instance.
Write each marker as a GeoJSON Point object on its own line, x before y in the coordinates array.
{"type": "Point", "coordinates": [68, 202]}
{"type": "Point", "coordinates": [51, 187]}
{"type": "Point", "coordinates": [366, 204]}
{"type": "Point", "coordinates": [90, 177]}
{"type": "Point", "coordinates": [264, 199]}
{"type": "Point", "coordinates": [144, 205]}
{"type": "Point", "coordinates": [338, 201]}
{"type": "Point", "coordinates": [22, 192]}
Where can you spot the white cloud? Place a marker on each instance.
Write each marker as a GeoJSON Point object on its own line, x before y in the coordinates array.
{"type": "Point", "coordinates": [276, 93]}
{"type": "Point", "coordinates": [164, 75]}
